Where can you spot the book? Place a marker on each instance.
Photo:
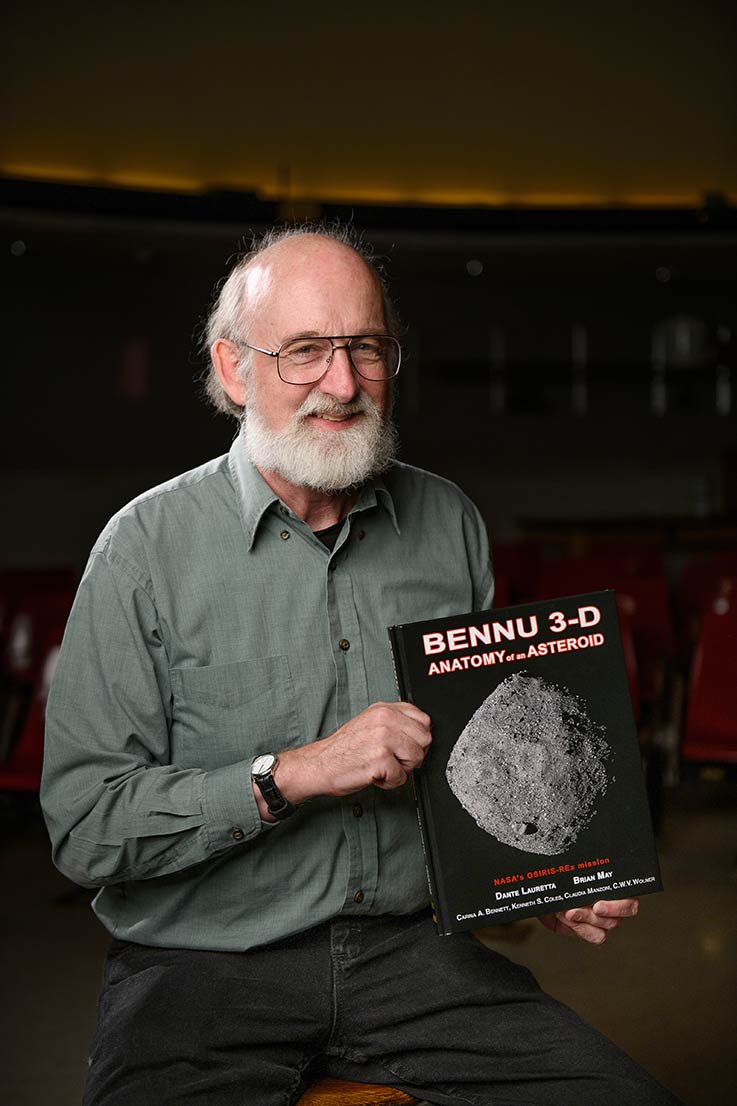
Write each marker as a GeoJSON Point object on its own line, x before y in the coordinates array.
{"type": "Point", "coordinates": [531, 799]}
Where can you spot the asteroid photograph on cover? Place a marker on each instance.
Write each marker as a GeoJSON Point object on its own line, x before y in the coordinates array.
{"type": "Point", "coordinates": [530, 765]}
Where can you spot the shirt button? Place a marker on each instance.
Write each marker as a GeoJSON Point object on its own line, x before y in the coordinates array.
{"type": "Point", "coordinates": [345, 644]}
{"type": "Point", "coordinates": [283, 510]}
{"type": "Point", "coordinates": [361, 535]}
{"type": "Point", "coordinates": [284, 535]}
{"type": "Point", "coordinates": [237, 833]}
{"type": "Point", "coordinates": [359, 896]}
{"type": "Point", "coordinates": [357, 810]}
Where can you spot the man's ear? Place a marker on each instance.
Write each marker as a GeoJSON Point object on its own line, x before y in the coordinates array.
{"type": "Point", "coordinates": [225, 358]}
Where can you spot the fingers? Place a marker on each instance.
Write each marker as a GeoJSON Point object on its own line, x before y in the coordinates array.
{"type": "Point", "coordinates": [616, 908]}
{"type": "Point", "coordinates": [585, 924]}
{"type": "Point", "coordinates": [556, 925]}
{"type": "Point", "coordinates": [591, 923]}
{"type": "Point", "coordinates": [402, 737]}
{"type": "Point", "coordinates": [409, 710]}
{"type": "Point", "coordinates": [396, 731]}
{"type": "Point", "coordinates": [379, 746]}
{"type": "Point", "coordinates": [573, 923]}
{"type": "Point", "coordinates": [390, 774]}
{"type": "Point", "coordinates": [415, 726]}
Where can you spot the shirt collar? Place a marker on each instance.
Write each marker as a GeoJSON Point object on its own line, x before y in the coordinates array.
{"type": "Point", "coordinates": [255, 497]}
{"type": "Point", "coordinates": [254, 494]}
{"type": "Point", "coordinates": [376, 491]}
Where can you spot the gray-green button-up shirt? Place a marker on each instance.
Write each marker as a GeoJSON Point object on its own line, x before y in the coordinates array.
{"type": "Point", "coordinates": [212, 625]}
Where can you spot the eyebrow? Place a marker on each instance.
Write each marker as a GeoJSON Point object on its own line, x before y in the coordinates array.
{"type": "Point", "coordinates": [364, 330]}
{"type": "Point", "coordinates": [302, 334]}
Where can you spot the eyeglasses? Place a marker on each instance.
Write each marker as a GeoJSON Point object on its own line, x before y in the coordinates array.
{"type": "Point", "coordinates": [305, 360]}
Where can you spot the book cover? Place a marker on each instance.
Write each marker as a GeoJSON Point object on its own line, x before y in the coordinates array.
{"type": "Point", "coordinates": [531, 799]}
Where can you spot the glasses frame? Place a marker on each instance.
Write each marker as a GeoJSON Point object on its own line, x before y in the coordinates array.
{"type": "Point", "coordinates": [346, 340]}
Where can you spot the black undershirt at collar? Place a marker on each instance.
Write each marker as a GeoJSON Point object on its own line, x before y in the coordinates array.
{"type": "Point", "coordinates": [329, 536]}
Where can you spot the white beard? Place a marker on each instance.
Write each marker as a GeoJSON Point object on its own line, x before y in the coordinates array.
{"type": "Point", "coordinates": [323, 460]}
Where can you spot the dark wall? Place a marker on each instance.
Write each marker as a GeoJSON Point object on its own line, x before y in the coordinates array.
{"type": "Point", "coordinates": [570, 373]}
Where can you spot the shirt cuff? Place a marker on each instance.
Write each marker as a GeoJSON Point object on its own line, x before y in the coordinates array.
{"type": "Point", "coordinates": [229, 805]}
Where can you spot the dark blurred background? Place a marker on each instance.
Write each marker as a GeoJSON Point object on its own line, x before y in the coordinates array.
{"type": "Point", "coordinates": [554, 195]}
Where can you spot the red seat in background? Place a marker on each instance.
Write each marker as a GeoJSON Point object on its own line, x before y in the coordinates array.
{"type": "Point", "coordinates": [701, 577]}
{"type": "Point", "coordinates": [34, 606]}
{"type": "Point", "coordinates": [31, 602]}
{"type": "Point", "coordinates": [648, 602]}
{"type": "Point", "coordinates": [21, 771]}
{"type": "Point", "coordinates": [711, 714]}
{"type": "Point", "coordinates": [701, 582]}
{"type": "Point", "coordinates": [630, 656]}
{"type": "Point", "coordinates": [648, 636]}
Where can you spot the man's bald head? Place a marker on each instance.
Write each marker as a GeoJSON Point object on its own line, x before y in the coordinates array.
{"type": "Point", "coordinates": [274, 262]}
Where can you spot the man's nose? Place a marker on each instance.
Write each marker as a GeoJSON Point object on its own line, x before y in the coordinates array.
{"type": "Point", "coordinates": [340, 379]}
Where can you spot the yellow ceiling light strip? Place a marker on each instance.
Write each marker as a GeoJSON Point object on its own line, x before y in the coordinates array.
{"type": "Point", "coordinates": [442, 197]}
{"type": "Point", "coordinates": [154, 182]}
{"type": "Point", "coordinates": [72, 174]}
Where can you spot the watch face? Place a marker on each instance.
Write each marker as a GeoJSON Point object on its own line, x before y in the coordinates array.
{"type": "Point", "coordinates": [263, 764]}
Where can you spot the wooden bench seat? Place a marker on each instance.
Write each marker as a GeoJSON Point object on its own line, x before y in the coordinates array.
{"type": "Point", "coordinates": [336, 1092]}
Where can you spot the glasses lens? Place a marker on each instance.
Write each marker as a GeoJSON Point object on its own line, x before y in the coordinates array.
{"type": "Point", "coordinates": [376, 356]}
{"type": "Point", "coordinates": [304, 359]}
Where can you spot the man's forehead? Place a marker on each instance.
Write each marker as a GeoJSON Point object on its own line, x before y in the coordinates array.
{"type": "Point", "coordinates": [304, 265]}
{"type": "Point", "coordinates": [304, 254]}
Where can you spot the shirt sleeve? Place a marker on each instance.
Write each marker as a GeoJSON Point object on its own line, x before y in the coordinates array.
{"type": "Point", "coordinates": [116, 809]}
{"type": "Point", "coordinates": [479, 558]}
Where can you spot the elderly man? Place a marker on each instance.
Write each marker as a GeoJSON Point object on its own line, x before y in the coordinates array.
{"type": "Point", "coordinates": [225, 758]}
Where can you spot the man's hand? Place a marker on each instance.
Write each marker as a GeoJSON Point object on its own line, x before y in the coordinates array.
{"type": "Point", "coordinates": [380, 746]}
{"type": "Point", "coordinates": [591, 923]}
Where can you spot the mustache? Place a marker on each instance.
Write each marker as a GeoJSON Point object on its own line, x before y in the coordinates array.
{"type": "Point", "coordinates": [316, 404]}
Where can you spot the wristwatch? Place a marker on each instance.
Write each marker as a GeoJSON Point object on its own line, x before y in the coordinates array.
{"type": "Point", "coordinates": [262, 774]}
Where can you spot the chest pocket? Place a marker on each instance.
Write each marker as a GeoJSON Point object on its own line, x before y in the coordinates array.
{"type": "Point", "coordinates": [224, 713]}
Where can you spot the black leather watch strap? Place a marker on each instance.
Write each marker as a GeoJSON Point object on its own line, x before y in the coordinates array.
{"type": "Point", "coordinates": [262, 774]}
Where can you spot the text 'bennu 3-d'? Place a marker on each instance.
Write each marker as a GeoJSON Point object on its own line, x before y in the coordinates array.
{"type": "Point", "coordinates": [532, 798]}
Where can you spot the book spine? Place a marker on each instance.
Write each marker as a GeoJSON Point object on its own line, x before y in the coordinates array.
{"type": "Point", "coordinates": [427, 836]}
{"type": "Point", "coordinates": [424, 817]}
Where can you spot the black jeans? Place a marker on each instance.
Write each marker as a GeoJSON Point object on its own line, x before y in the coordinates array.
{"type": "Point", "coordinates": [380, 1000]}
